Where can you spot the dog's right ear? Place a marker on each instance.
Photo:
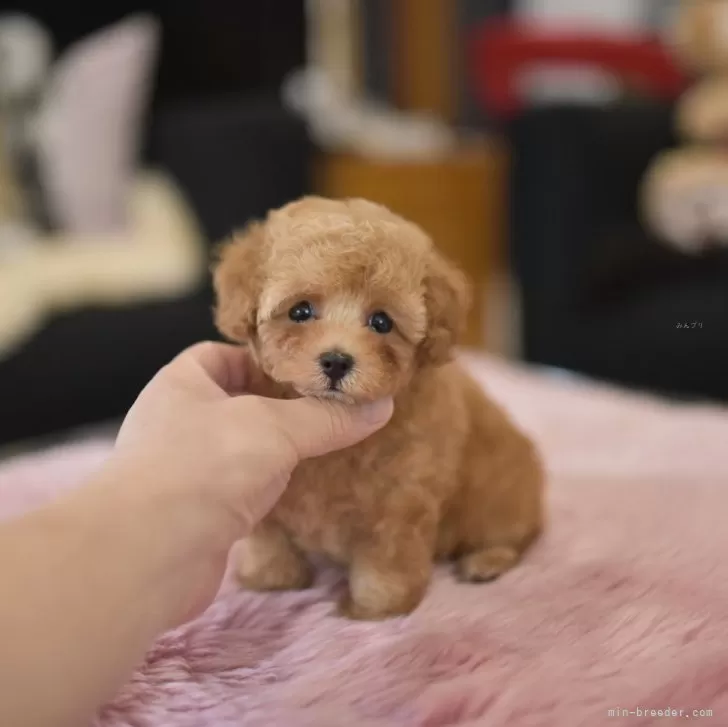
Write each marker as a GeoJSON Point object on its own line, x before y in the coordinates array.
{"type": "Point", "coordinates": [237, 278]}
{"type": "Point", "coordinates": [447, 299]}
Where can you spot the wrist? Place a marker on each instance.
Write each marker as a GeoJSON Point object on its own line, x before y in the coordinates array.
{"type": "Point", "coordinates": [189, 517]}
{"type": "Point", "coordinates": [172, 541]}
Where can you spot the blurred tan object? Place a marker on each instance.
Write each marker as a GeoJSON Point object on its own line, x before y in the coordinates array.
{"type": "Point", "coordinates": [699, 35]}
{"type": "Point", "coordinates": [327, 94]}
{"type": "Point", "coordinates": [160, 255]}
{"type": "Point", "coordinates": [360, 126]}
{"type": "Point", "coordinates": [685, 198]}
{"type": "Point", "coordinates": [425, 56]}
{"type": "Point", "coordinates": [702, 114]}
{"type": "Point", "coordinates": [11, 198]}
{"type": "Point", "coordinates": [685, 191]}
{"type": "Point", "coordinates": [333, 42]}
{"type": "Point", "coordinates": [459, 201]}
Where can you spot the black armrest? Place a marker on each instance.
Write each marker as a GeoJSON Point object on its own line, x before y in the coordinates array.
{"type": "Point", "coordinates": [235, 158]}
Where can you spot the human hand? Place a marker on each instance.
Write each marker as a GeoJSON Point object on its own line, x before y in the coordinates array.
{"type": "Point", "coordinates": [89, 580]}
{"type": "Point", "coordinates": [191, 429]}
{"type": "Point", "coordinates": [211, 458]}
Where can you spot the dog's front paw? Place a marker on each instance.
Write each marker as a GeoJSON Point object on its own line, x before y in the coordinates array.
{"type": "Point", "coordinates": [288, 578]}
{"type": "Point", "coordinates": [346, 608]}
{"type": "Point", "coordinates": [349, 608]}
{"type": "Point", "coordinates": [374, 594]}
{"type": "Point", "coordinates": [278, 568]}
{"type": "Point", "coordinates": [487, 564]}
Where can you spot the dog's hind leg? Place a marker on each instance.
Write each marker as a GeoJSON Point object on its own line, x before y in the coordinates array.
{"type": "Point", "coordinates": [499, 513]}
{"type": "Point", "coordinates": [486, 564]}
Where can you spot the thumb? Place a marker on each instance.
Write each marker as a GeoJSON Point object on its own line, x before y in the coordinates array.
{"type": "Point", "coordinates": [317, 427]}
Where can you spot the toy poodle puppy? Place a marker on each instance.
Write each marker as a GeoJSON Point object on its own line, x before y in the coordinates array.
{"type": "Point", "coordinates": [345, 299]}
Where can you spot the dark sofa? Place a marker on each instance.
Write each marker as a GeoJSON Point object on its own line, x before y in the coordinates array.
{"type": "Point", "coordinates": [600, 295]}
{"type": "Point", "coordinates": [217, 127]}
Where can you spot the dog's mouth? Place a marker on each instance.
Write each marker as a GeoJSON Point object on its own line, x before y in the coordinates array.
{"type": "Point", "coordinates": [331, 393]}
{"type": "Point", "coordinates": [334, 393]}
{"type": "Point", "coordinates": [337, 395]}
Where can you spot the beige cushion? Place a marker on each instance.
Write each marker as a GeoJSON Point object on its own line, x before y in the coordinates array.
{"type": "Point", "coordinates": [160, 255]}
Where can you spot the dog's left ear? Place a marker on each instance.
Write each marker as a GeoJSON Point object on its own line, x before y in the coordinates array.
{"type": "Point", "coordinates": [448, 300]}
{"type": "Point", "coordinates": [237, 278]}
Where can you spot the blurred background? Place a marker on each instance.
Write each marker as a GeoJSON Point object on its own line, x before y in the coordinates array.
{"type": "Point", "coordinates": [519, 133]}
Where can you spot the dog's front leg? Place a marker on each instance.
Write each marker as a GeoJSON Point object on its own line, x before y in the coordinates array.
{"type": "Point", "coordinates": [267, 560]}
{"type": "Point", "coordinates": [391, 566]}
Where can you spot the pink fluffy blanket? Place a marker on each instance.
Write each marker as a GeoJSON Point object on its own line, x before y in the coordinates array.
{"type": "Point", "coordinates": [619, 613]}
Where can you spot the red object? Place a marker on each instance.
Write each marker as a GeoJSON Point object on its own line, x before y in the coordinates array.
{"type": "Point", "coordinates": [502, 50]}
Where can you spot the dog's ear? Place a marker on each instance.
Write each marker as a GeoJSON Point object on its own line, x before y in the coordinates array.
{"type": "Point", "coordinates": [237, 278]}
{"type": "Point", "coordinates": [447, 300]}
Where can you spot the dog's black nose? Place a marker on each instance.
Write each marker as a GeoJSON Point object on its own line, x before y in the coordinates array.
{"type": "Point", "coordinates": [336, 365]}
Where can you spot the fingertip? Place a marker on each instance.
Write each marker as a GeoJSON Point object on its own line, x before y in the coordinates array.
{"type": "Point", "coordinates": [378, 413]}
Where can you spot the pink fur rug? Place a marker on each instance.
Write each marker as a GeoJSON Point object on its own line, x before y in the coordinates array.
{"type": "Point", "coordinates": [622, 606]}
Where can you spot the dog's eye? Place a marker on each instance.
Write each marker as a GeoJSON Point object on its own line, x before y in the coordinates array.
{"type": "Point", "coordinates": [380, 322]}
{"type": "Point", "coordinates": [301, 312]}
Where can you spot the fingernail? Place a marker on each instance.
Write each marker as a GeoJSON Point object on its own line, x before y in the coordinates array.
{"type": "Point", "coordinates": [377, 412]}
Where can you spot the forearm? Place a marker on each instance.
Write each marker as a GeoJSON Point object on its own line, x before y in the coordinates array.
{"type": "Point", "coordinates": [87, 584]}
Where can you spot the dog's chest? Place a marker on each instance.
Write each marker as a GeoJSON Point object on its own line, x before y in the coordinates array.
{"type": "Point", "coordinates": [331, 502]}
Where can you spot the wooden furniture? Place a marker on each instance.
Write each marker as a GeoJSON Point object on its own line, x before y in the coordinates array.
{"type": "Point", "coordinates": [459, 201]}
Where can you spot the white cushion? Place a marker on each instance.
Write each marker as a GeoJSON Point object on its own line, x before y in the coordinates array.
{"type": "Point", "coordinates": [89, 125]}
